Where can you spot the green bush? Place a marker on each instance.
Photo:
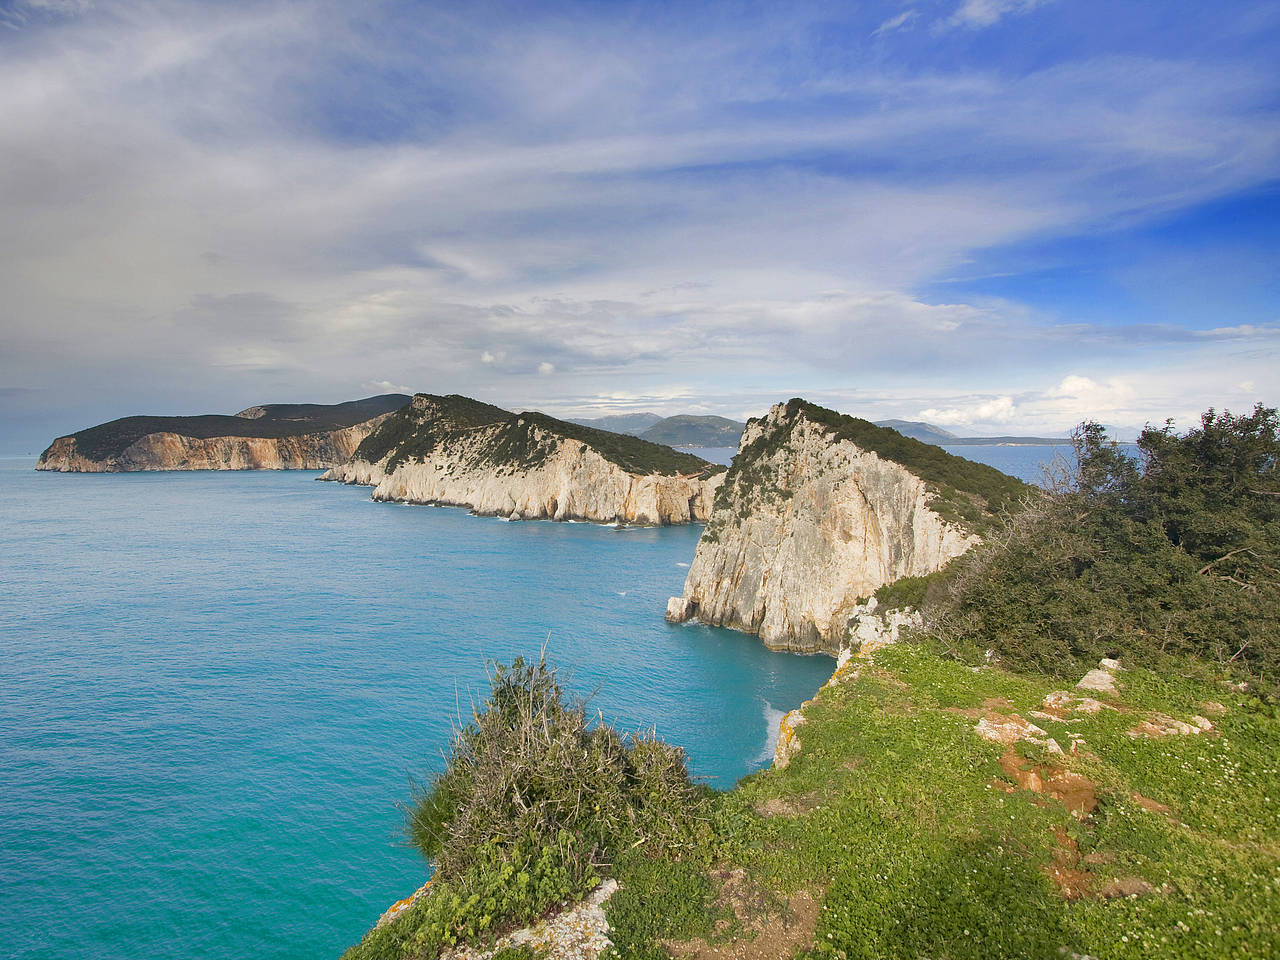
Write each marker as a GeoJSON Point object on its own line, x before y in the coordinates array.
{"type": "Point", "coordinates": [530, 764]}
{"type": "Point", "coordinates": [533, 806]}
{"type": "Point", "coordinates": [1173, 555]}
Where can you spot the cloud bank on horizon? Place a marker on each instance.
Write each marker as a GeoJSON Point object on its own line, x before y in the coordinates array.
{"type": "Point", "coordinates": [998, 215]}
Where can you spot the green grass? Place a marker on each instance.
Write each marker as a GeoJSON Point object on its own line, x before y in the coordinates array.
{"type": "Point", "coordinates": [660, 899]}
{"type": "Point", "coordinates": [902, 821]}
{"type": "Point", "coordinates": [920, 855]}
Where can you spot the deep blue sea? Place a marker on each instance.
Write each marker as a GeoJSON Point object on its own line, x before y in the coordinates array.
{"type": "Point", "coordinates": [214, 688]}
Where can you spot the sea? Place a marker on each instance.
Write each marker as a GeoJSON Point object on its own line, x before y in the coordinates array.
{"type": "Point", "coordinates": [216, 690]}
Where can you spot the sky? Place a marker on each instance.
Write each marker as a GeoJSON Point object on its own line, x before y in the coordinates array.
{"type": "Point", "coordinates": [999, 216]}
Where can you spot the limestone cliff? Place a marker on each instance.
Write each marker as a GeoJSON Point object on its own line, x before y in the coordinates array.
{"type": "Point", "coordinates": [172, 451]}
{"type": "Point", "coordinates": [457, 452]}
{"type": "Point", "coordinates": [816, 514]}
{"type": "Point", "coordinates": [271, 437]}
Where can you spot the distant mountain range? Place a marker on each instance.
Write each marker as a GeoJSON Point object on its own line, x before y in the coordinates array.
{"type": "Point", "coordinates": [685, 430]}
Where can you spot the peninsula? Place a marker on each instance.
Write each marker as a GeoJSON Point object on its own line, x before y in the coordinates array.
{"type": "Point", "coordinates": [275, 436]}
{"type": "Point", "coordinates": [456, 451]}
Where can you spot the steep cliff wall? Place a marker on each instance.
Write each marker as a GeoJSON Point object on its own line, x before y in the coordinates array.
{"type": "Point", "coordinates": [294, 436]}
{"type": "Point", "coordinates": [528, 467]}
{"type": "Point", "coordinates": [810, 520]}
{"type": "Point", "coordinates": [172, 451]}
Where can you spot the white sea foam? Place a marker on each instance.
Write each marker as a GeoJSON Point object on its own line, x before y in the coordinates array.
{"type": "Point", "coordinates": [772, 717]}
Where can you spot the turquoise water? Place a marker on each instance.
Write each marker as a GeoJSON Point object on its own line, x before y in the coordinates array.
{"type": "Point", "coordinates": [215, 686]}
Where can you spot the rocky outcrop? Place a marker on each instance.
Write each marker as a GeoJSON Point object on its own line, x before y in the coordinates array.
{"type": "Point", "coordinates": [172, 451]}
{"type": "Point", "coordinates": [523, 467]}
{"type": "Point", "coordinates": [808, 523]}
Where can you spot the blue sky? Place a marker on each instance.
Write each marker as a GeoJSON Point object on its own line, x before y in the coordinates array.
{"type": "Point", "coordinates": [998, 215]}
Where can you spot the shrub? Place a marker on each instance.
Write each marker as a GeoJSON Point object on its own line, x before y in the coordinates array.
{"type": "Point", "coordinates": [1175, 554]}
{"type": "Point", "coordinates": [534, 804]}
{"type": "Point", "coordinates": [530, 764]}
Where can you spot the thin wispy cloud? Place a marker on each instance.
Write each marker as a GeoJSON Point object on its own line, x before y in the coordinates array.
{"type": "Point", "coordinates": [977, 14]}
{"type": "Point", "coordinates": [903, 19]}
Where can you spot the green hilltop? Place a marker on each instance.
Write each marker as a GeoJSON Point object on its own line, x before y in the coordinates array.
{"type": "Point", "coordinates": [963, 490]}
{"type": "Point", "coordinates": [510, 440]}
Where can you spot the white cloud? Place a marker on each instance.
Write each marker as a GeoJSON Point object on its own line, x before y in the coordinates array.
{"type": "Point", "coordinates": [982, 412]}
{"type": "Point", "coordinates": [977, 14]}
{"type": "Point", "coordinates": [169, 202]}
{"type": "Point", "coordinates": [545, 368]}
{"type": "Point", "coordinates": [895, 23]}
{"type": "Point", "coordinates": [386, 386]}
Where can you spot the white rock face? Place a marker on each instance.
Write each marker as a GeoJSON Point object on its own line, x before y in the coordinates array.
{"type": "Point", "coordinates": [172, 451]}
{"type": "Point", "coordinates": [814, 525]}
{"type": "Point", "coordinates": [870, 629]}
{"type": "Point", "coordinates": [572, 482]}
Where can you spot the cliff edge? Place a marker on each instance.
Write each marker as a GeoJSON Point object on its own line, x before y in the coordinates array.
{"type": "Point", "coordinates": [278, 436]}
{"type": "Point", "coordinates": [817, 512]}
{"type": "Point", "coordinates": [455, 451]}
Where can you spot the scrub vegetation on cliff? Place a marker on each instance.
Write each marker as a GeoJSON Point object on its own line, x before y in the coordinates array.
{"type": "Point", "coordinates": [516, 441]}
{"type": "Point", "coordinates": [534, 806]}
{"type": "Point", "coordinates": [971, 494]}
{"type": "Point", "coordinates": [517, 444]}
{"type": "Point", "coordinates": [413, 431]}
{"type": "Point", "coordinates": [1174, 553]}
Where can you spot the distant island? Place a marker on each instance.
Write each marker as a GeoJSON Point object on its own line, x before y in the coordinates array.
{"type": "Point", "coordinates": [682, 430]}
{"type": "Point", "coordinates": [919, 430]}
{"type": "Point", "coordinates": [274, 436]}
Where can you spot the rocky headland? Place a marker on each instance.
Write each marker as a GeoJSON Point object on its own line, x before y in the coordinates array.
{"type": "Point", "coordinates": [454, 451]}
{"type": "Point", "coordinates": [820, 510]}
{"type": "Point", "coordinates": [266, 437]}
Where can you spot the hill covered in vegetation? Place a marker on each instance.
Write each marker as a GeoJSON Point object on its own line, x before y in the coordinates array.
{"type": "Point", "coordinates": [457, 451]}
{"type": "Point", "coordinates": [521, 440]}
{"type": "Point", "coordinates": [317, 435]}
{"type": "Point", "coordinates": [1172, 552]}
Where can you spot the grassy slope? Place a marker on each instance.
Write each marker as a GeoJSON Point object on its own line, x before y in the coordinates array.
{"type": "Point", "coordinates": [631, 453]}
{"type": "Point", "coordinates": [280, 420]}
{"type": "Point", "coordinates": [903, 820]}
{"type": "Point", "coordinates": [407, 435]}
